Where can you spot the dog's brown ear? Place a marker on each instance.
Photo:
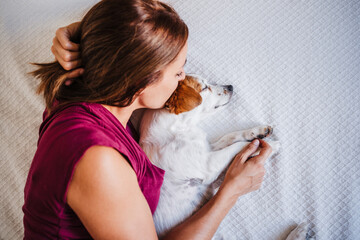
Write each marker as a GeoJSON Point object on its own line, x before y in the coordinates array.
{"type": "Point", "coordinates": [184, 99]}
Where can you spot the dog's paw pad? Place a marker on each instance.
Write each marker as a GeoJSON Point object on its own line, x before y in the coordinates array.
{"type": "Point", "coordinates": [266, 132]}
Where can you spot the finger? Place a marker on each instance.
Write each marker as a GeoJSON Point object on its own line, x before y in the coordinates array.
{"type": "Point", "coordinates": [64, 54]}
{"type": "Point", "coordinates": [247, 151]}
{"type": "Point", "coordinates": [69, 82]}
{"type": "Point", "coordinates": [260, 177]}
{"type": "Point", "coordinates": [63, 36]}
{"type": "Point", "coordinates": [73, 29]}
{"type": "Point", "coordinates": [73, 65]}
{"type": "Point", "coordinates": [257, 186]}
{"type": "Point", "coordinates": [67, 65]}
{"type": "Point", "coordinates": [265, 151]}
{"type": "Point", "coordinates": [76, 73]}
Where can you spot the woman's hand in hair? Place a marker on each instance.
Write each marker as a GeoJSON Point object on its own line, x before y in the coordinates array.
{"type": "Point", "coordinates": [66, 52]}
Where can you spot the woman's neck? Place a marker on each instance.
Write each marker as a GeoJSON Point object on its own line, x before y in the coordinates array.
{"type": "Point", "coordinates": [123, 114]}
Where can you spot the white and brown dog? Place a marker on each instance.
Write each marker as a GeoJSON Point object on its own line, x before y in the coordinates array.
{"type": "Point", "coordinates": [173, 141]}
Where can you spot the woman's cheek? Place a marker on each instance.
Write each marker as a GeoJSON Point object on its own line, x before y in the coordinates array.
{"type": "Point", "coordinates": [158, 95]}
{"type": "Point", "coordinates": [164, 94]}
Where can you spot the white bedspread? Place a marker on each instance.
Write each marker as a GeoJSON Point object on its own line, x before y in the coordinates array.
{"type": "Point", "coordinates": [293, 64]}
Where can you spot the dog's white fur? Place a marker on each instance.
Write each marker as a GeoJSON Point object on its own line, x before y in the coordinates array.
{"type": "Point", "coordinates": [176, 144]}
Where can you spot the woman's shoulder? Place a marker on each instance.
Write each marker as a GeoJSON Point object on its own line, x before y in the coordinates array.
{"type": "Point", "coordinates": [76, 111]}
{"type": "Point", "coordinates": [74, 128]}
{"type": "Point", "coordinates": [77, 127]}
{"type": "Point", "coordinates": [73, 118]}
{"type": "Point", "coordinates": [108, 155]}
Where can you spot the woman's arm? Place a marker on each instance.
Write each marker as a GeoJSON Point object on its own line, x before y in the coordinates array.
{"type": "Point", "coordinates": [106, 196]}
{"type": "Point", "coordinates": [204, 223]}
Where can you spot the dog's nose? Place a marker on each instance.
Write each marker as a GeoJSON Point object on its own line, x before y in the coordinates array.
{"type": "Point", "coordinates": [229, 88]}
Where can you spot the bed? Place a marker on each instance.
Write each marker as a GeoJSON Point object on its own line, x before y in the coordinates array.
{"type": "Point", "coordinates": [293, 64]}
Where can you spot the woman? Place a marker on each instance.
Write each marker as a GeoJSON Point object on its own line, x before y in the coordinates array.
{"type": "Point", "coordinates": [89, 178]}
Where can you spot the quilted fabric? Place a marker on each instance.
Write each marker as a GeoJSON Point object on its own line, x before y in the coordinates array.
{"type": "Point", "coordinates": [293, 64]}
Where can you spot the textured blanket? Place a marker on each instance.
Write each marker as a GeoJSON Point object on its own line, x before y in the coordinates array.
{"type": "Point", "coordinates": [293, 64]}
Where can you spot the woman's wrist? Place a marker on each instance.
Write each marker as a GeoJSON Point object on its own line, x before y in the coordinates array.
{"type": "Point", "coordinates": [228, 195]}
{"type": "Point", "coordinates": [232, 190]}
{"type": "Point", "coordinates": [204, 223]}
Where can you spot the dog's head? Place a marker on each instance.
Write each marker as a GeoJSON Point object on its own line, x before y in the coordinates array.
{"type": "Point", "coordinates": [194, 92]}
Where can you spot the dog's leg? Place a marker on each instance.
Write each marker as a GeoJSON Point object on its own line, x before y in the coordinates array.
{"type": "Point", "coordinates": [219, 160]}
{"type": "Point", "coordinates": [245, 135]}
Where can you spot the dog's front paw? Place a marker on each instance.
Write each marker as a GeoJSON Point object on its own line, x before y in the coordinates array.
{"type": "Point", "coordinates": [258, 132]}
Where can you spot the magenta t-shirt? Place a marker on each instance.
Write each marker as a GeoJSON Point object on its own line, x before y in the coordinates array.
{"type": "Point", "coordinates": [65, 135]}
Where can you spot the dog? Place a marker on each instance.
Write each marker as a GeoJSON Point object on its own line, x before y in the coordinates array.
{"type": "Point", "coordinates": [174, 142]}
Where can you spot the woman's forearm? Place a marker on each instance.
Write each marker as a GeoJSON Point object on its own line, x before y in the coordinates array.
{"type": "Point", "coordinates": [204, 223]}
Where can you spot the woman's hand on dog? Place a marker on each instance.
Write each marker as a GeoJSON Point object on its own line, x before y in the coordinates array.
{"type": "Point", "coordinates": [246, 173]}
{"type": "Point", "coordinates": [66, 52]}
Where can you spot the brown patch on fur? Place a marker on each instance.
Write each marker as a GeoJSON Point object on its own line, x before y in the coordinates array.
{"type": "Point", "coordinates": [192, 82]}
{"type": "Point", "coordinates": [186, 96]}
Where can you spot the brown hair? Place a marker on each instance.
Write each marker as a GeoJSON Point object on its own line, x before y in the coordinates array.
{"type": "Point", "coordinates": [124, 44]}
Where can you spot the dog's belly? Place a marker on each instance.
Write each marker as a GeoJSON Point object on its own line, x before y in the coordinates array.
{"type": "Point", "coordinates": [178, 200]}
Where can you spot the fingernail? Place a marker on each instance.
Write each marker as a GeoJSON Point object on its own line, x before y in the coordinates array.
{"type": "Point", "coordinates": [256, 142]}
{"type": "Point", "coordinates": [68, 82]}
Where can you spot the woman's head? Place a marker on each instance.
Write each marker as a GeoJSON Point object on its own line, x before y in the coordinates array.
{"type": "Point", "coordinates": [128, 47]}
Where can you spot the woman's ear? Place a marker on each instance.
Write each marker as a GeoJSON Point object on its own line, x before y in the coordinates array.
{"type": "Point", "coordinates": [184, 99]}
